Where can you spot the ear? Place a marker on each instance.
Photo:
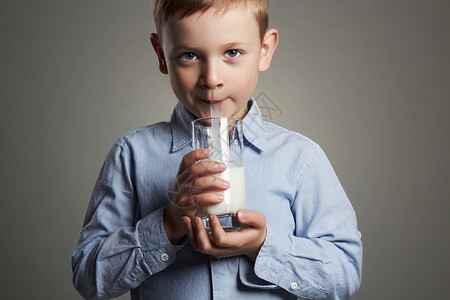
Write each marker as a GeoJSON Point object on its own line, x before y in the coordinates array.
{"type": "Point", "coordinates": [268, 47]}
{"type": "Point", "coordinates": [154, 39]}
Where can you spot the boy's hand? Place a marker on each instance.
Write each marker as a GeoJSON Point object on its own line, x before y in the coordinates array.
{"type": "Point", "coordinates": [195, 186]}
{"type": "Point", "coordinates": [219, 243]}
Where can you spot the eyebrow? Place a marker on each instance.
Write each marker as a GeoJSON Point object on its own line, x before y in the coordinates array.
{"type": "Point", "coordinates": [183, 48]}
{"type": "Point", "coordinates": [235, 44]}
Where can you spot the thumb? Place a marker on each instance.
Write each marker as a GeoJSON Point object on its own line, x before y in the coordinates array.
{"type": "Point", "coordinates": [251, 218]}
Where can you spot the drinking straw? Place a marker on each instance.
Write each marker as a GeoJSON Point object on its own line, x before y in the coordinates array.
{"type": "Point", "coordinates": [215, 124]}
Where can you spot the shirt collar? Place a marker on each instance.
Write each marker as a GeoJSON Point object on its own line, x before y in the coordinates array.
{"type": "Point", "coordinates": [181, 127]}
{"type": "Point", "coordinates": [253, 127]}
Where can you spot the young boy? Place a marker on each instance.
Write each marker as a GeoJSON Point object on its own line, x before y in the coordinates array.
{"type": "Point", "coordinates": [141, 232]}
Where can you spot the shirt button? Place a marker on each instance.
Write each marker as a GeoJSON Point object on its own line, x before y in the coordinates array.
{"type": "Point", "coordinates": [294, 285]}
{"type": "Point", "coordinates": [164, 257]}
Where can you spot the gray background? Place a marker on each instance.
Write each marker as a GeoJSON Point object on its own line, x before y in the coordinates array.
{"type": "Point", "coordinates": [368, 80]}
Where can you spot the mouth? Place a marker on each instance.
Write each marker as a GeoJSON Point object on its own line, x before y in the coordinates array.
{"type": "Point", "coordinates": [213, 101]}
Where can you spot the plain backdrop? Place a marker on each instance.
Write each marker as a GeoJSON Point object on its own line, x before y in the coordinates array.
{"type": "Point", "coordinates": [368, 80]}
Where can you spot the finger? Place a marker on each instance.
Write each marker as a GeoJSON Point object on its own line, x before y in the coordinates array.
{"type": "Point", "coordinates": [207, 184]}
{"type": "Point", "coordinates": [202, 238]}
{"type": "Point", "coordinates": [190, 207]}
{"type": "Point", "coordinates": [217, 232]}
{"type": "Point", "coordinates": [192, 157]}
{"type": "Point", "coordinates": [207, 168]}
{"type": "Point", "coordinates": [200, 169]}
{"type": "Point", "coordinates": [251, 218]}
{"type": "Point", "coordinates": [190, 231]}
{"type": "Point", "coordinates": [203, 185]}
{"type": "Point", "coordinates": [189, 202]}
{"type": "Point", "coordinates": [206, 199]}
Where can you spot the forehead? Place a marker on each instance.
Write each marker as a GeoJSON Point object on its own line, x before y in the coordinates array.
{"type": "Point", "coordinates": [213, 28]}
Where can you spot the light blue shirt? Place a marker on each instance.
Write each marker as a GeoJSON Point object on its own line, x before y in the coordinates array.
{"type": "Point", "coordinates": [312, 248]}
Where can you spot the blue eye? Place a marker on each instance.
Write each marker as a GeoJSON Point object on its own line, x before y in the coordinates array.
{"type": "Point", "coordinates": [189, 56]}
{"type": "Point", "coordinates": [233, 53]}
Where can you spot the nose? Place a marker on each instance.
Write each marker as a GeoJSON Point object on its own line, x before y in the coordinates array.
{"type": "Point", "coordinates": [211, 76]}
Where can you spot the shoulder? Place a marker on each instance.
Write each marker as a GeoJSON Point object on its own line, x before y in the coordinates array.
{"type": "Point", "coordinates": [281, 137]}
{"type": "Point", "coordinates": [157, 133]}
{"type": "Point", "coordinates": [299, 153]}
{"type": "Point", "coordinates": [150, 131]}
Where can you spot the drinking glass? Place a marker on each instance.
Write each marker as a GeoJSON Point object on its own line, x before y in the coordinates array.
{"type": "Point", "coordinates": [223, 136]}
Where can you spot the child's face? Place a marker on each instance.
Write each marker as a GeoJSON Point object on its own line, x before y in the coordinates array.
{"type": "Point", "coordinates": [213, 58]}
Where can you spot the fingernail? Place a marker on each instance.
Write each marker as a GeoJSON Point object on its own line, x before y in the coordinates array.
{"type": "Point", "coordinates": [241, 215]}
{"type": "Point", "coordinates": [206, 151]}
{"type": "Point", "coordinates": [225, 184]}
{"type": "Point", "coordinates": [198, 223]}
{"type": "Point", "coordinates": [219, 197]}
{"type": "Point", "coordinates": [220, 166]}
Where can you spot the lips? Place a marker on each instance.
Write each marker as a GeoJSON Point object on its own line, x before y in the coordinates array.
{"type": "Point", "coordinates": [211, 101]}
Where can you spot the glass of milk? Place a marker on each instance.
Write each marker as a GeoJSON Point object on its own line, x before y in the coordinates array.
{"type": "Point", "coordinates": [223, 136]}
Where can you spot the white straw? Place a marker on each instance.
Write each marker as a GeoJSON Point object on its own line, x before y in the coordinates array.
{"type": "Point", "coordinates": [214, 109]}
{"type": "Point", "coordinates": [215, 124]}
{"type": "Point", "coordinates": [220, 148]}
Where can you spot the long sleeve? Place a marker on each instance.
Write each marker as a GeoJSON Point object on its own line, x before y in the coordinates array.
{"type": "Point", "coordinates": [322, 258]}
{"type": "Point", "coordinates": [116, 251]}
{"type": "Point", "coordinates": [312, 249]}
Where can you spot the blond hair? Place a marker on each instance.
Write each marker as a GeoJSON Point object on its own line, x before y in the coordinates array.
{"type": "Point", "coordinates": [165, 11]}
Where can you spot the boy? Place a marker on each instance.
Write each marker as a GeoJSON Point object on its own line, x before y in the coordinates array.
{"type": "Point", "coordinates": [141, 232]}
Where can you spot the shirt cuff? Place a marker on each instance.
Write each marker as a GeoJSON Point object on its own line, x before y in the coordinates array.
{"type": "Point", "coordinates": [159, 253]}
{"type": "Point", "coordinates": [271, 257]}
{"type": "Point", "coordinates": [247, 268]}
{"type": "Point", "coordinates": [275, 264]}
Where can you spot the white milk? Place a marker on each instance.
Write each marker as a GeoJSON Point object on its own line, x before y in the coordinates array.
{"type": "Point", "coordinates": [234, 196]}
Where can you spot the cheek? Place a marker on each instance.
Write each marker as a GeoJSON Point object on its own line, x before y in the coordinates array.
{"type": "Point", "coordinates": [248, 77]}
{"type": "Point", "coordinates": [180, 80]}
